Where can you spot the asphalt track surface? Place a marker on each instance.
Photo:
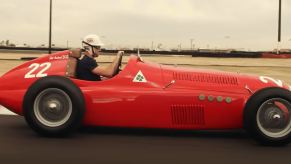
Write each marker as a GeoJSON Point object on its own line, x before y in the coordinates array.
{"type": "Point", "coordinates": [19, 144]}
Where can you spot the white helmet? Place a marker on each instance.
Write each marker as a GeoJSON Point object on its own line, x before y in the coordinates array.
{"type": "Point", "coordinates": [92, 40]}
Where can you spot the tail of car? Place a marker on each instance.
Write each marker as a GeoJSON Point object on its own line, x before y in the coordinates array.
{"type": "Point", "coordinates": [1, 93]}
{"type": "Point", "coordinates": [0, 99]}
{"type": "Point", "coordinates": [3, 109]}
{"type": "Point", "coordinates": [14, 83]}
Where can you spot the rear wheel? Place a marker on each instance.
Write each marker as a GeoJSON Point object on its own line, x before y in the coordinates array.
{"type": "Point", "coordinates": [267, 116]}
{"type": "Point", "coordinates": [54, 106]}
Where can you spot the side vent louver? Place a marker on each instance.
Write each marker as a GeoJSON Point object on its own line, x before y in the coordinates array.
{"type": "Point", "coordinates": [206, 78]}
{"type": "Point", "coordinates": [187, 114]}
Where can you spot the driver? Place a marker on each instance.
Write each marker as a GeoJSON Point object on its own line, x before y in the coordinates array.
{"type": "Point", "coordinates": [87, 67]}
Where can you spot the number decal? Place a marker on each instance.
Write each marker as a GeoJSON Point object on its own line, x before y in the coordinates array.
{"type": "Point", "coordinates": [34, 67]}
{"type": "Point", "coordinates": [41, 72]}
{"type": "Point", "coordinates": [266, 79]}
{"type": "Point", "coordinates": [32, 73]}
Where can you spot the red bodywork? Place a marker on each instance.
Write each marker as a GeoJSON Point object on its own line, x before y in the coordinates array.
{"type": "Point", "coordinates": [170, 97]}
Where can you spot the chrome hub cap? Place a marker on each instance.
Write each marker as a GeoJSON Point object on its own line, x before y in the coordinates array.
{"type": "Point", "coordinates": [53, 107]}
{"type": "Point", "coordinates": [273, 118]}
{"type": "Point", "coordinates": [276, 117]}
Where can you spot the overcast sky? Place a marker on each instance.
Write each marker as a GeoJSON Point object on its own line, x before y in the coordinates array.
{"type": "Point", "coordinates": [240, 24]}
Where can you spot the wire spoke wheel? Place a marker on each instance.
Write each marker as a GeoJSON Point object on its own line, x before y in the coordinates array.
{"type": "Point", "coordinates": [273, 118]}
{"type": "Point", "coordinates": [52, 107]}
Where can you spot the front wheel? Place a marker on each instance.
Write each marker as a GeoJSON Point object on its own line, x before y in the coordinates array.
{"type": "Point", "coordinates": [267, 116]}
{"type": "Point", "coordinates": [54, 106]}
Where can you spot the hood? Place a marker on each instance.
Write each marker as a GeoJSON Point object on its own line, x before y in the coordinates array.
{"type": "Point", "coordinates": [199, 79]}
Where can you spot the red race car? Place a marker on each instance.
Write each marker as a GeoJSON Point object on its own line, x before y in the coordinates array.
{"type": "Point", "coordinates": [146, 95]}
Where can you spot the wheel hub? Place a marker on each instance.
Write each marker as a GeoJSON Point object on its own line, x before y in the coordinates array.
{"type": "Point", "coordinates": [276, 117]}
{"type": "Point", "coordinates": [53, 106]}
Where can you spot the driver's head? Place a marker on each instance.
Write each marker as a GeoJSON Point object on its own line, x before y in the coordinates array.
{"type": "Point", "coordinates": [92, 45]}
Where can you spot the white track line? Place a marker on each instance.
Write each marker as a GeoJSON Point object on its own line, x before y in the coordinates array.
{"type": "Point", "coordinates": [4, 111]}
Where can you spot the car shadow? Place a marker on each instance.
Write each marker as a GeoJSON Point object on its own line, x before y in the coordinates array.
{"type": "Point", "coordinates": [235, 134]}
{"type": "Point", "coordinates": [12, 125]}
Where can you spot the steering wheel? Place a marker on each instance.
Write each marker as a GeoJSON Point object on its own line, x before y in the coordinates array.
{"type": "Point", "coordinates": [118, 68]}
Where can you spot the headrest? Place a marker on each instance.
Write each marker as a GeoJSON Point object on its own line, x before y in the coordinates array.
{"type": "Point", "coordinates": [76, 53]}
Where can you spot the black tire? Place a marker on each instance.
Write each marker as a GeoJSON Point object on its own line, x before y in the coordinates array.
{"type": "Point", "coordinates": [267, 116]}
{"type": "Point", "coordinates": [54, 106]}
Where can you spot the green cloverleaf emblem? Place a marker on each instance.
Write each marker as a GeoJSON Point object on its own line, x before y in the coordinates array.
{"type": "Point", "coordinates": [139, 77]}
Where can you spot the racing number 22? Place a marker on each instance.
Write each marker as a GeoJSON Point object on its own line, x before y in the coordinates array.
{"type": "Point", "coordinates": [41, 73]}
